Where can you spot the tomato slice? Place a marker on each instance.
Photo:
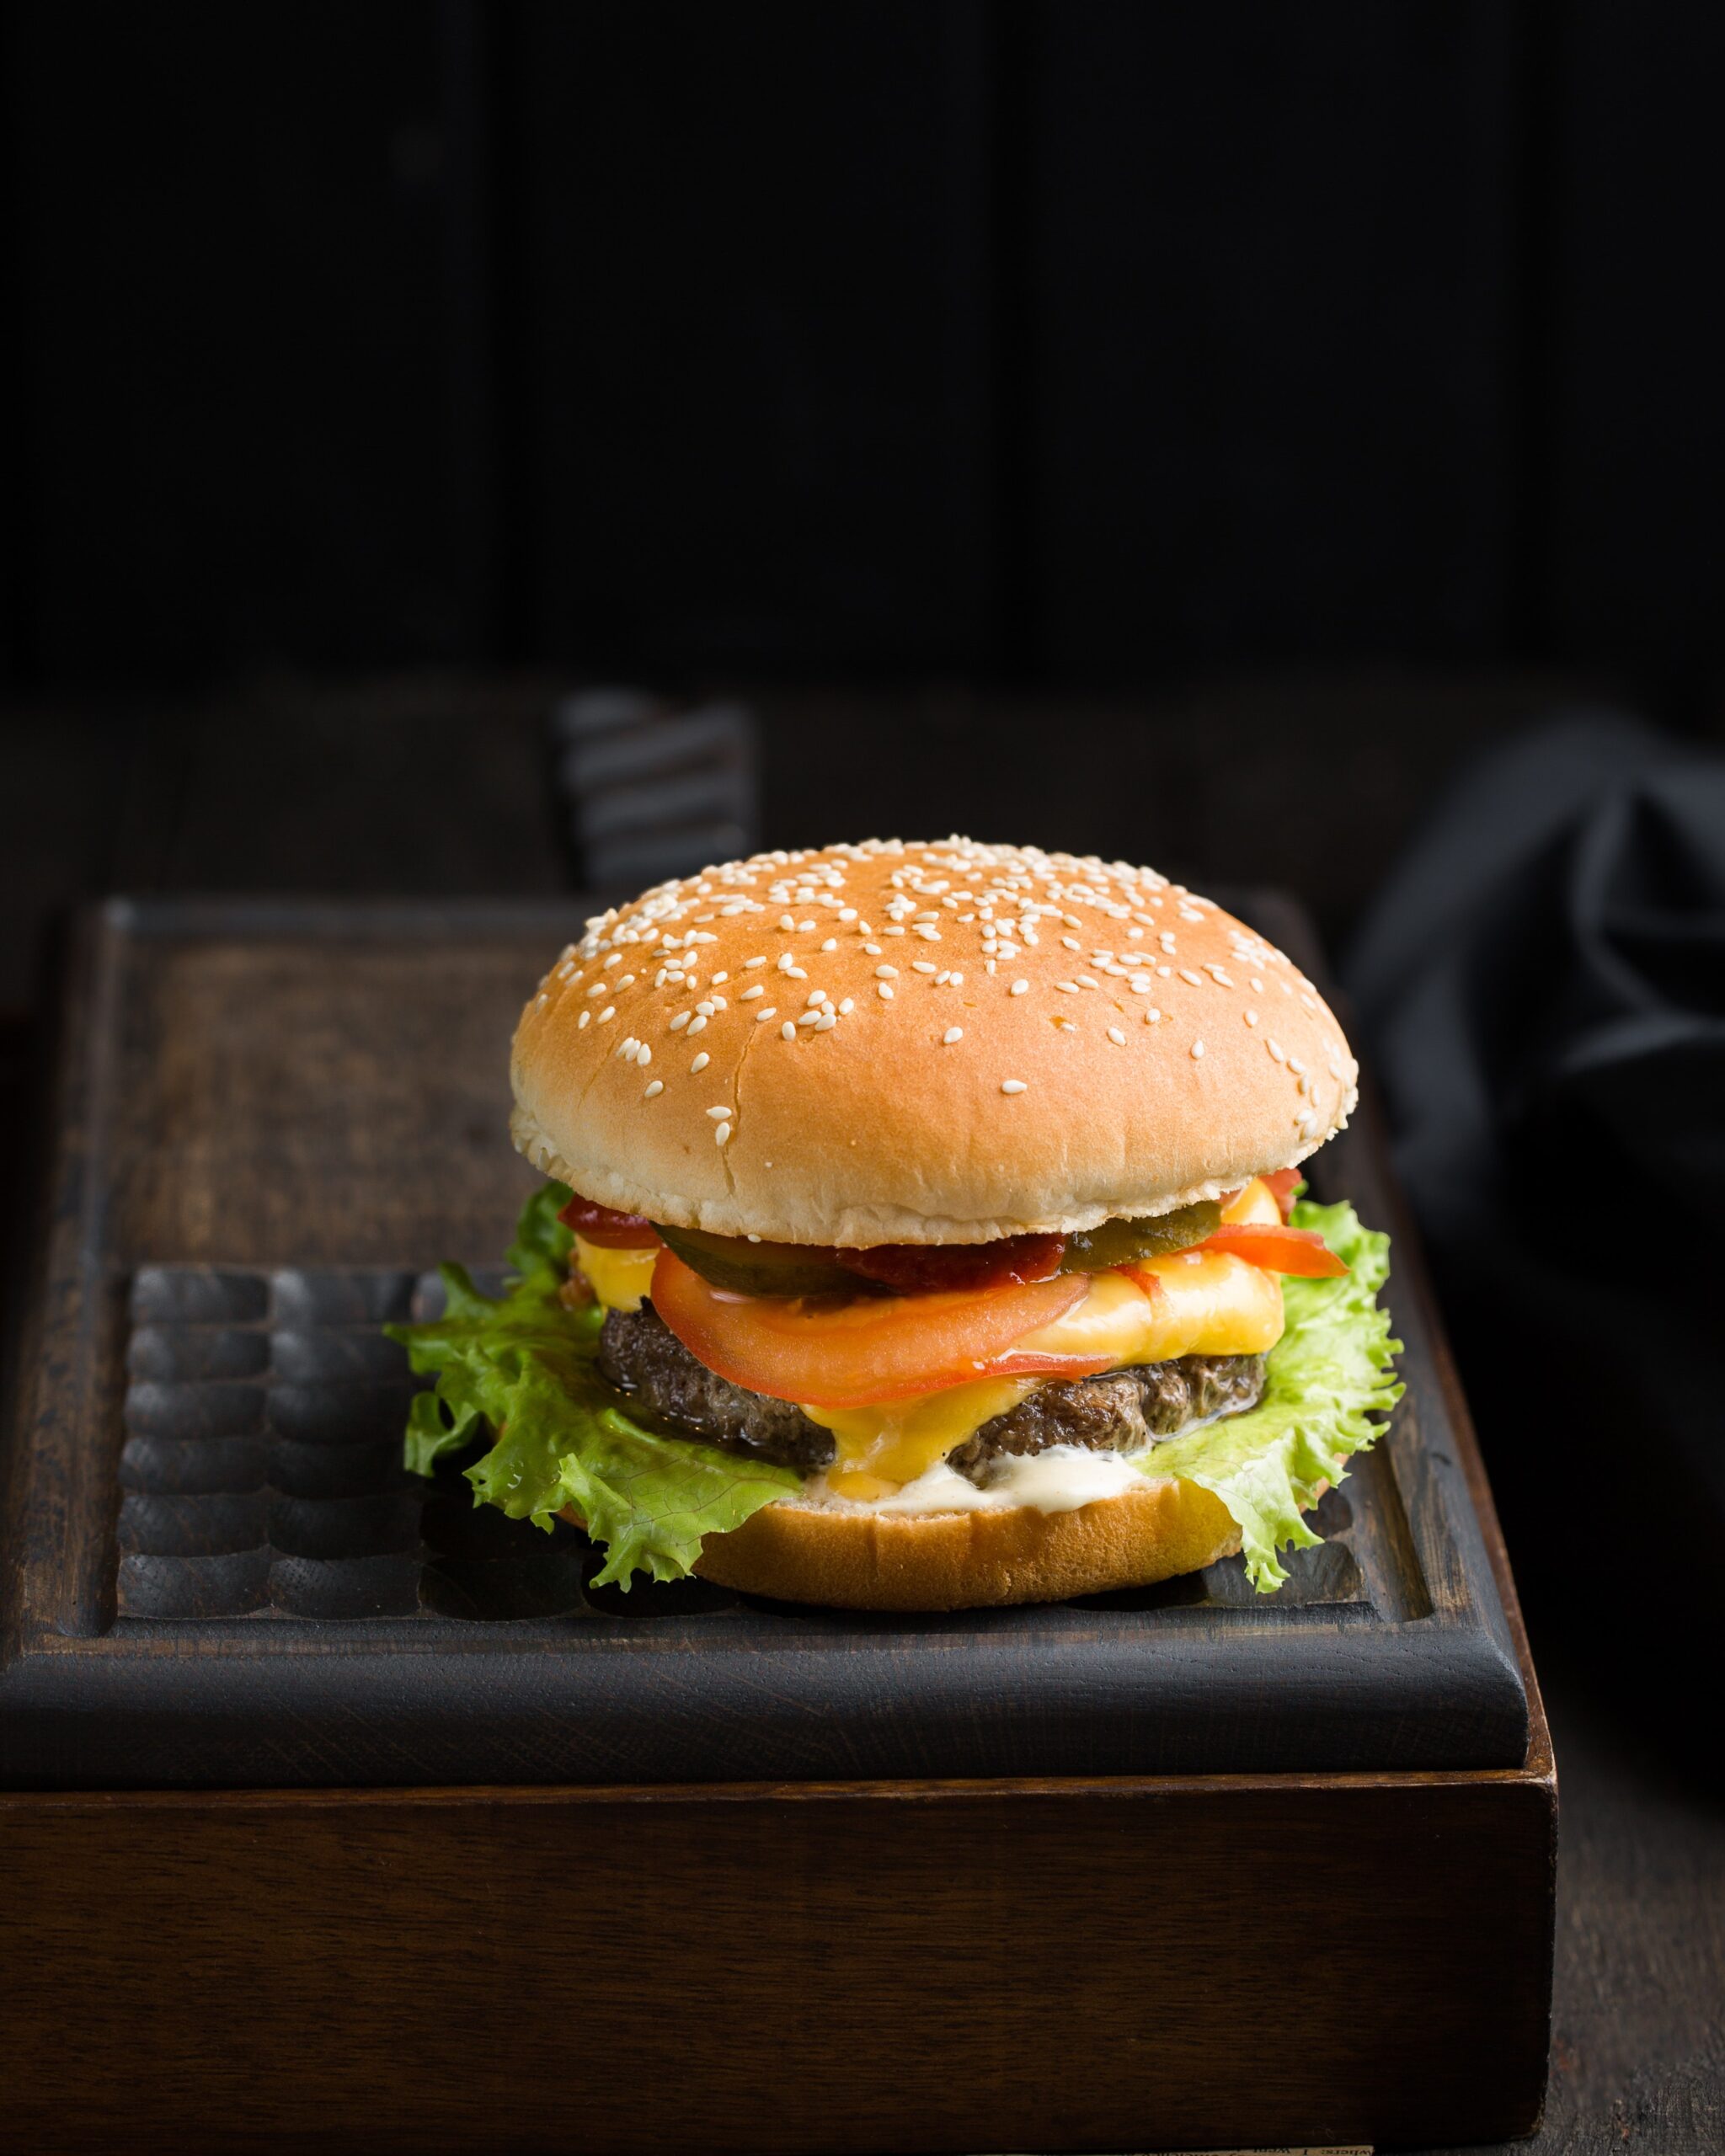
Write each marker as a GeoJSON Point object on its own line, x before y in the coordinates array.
{"type": "Point", "coordinates": [852, 1354]}
{"type": "Point", "coordinates": [1278, 1249]}
{"type": "Point", "coordinates": [599, 1224]}
{"type": "Point", "coordinates": [1281, 1184]}
{"type": "Point", "coordinates": [916, 1269]}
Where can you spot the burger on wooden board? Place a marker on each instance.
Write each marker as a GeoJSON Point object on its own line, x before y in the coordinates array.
{"type": "Point", "coordinates": [922, 1232]}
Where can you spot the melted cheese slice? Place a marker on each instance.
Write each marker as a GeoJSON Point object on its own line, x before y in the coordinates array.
{"type": "Point", "coordinates": [622, 1279]}
{"type": "Point", "coordinates": [878, 1448]}
{"type": "Point", "coordinates": [1207, 1302]}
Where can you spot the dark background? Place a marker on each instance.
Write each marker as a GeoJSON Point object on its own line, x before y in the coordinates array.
{"type": "Point", "coordinates": [1156, 429]}
{"type": "Point", "coordinates": [1183, 430]}
{"type": "Point", "coordinates": [1023, 342]}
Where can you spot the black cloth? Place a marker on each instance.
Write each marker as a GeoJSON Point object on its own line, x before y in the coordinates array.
{"type": "Point", "coordinates": [1541, 987]}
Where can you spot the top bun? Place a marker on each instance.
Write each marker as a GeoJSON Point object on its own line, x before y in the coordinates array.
{"type": "Point", "coordinates": [921, 1042]}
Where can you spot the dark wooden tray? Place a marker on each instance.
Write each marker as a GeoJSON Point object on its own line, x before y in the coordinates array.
{"type": "Point", "coordinates": [268, 1120]}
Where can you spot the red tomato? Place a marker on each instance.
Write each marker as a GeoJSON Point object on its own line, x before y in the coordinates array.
{"type": "Point", "coordinates": [598, 1223]}
{"type": "Point", "coordinates": [915, 1268]}
{"type": "Point", "coordinates": [1281, 1184]}
{"type": "Point", "coordinates": [1278, 1250]}
{"type": "Point", "coordinates": [852, 1354]}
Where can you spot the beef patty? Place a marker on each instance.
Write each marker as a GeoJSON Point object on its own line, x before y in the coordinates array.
{"type": "Point", "coordinates": [1121, 1411]}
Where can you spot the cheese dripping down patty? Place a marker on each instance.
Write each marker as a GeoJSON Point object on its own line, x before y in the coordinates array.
{"type": "Point", "coordinates": [1211, 1302]}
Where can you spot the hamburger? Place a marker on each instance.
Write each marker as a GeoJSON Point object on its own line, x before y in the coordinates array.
{"type": "Point", "coordinates": [923, 1230]}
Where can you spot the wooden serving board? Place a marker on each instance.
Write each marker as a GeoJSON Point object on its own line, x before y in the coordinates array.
{"type": "Point", "coordinates": [1182, 1869]}
{"type": "Point", "coordinates": [271, 1121]}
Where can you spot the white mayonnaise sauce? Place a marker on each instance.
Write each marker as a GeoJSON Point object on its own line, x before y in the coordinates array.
{"type": "Point", "coordinates": [1060, 1479]}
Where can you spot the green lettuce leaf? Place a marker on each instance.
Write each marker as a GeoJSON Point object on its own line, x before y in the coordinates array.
{"type": "Point", "coordinates": [523, 1365]}
{"type": "Point", "coordinates": [1327, 1376]}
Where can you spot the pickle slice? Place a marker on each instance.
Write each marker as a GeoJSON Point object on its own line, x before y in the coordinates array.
{"type": "Point", "coordinates": [744, 1268]}
{"type": "Point", "coordinates": [1126, 1242]}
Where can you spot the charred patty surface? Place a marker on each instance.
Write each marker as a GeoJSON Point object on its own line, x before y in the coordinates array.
{"type": "Point", "coordinates": [640, 1354]}
{"type": "Point", "coordinates": [1122, 1411]}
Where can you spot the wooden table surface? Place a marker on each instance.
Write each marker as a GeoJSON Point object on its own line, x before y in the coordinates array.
{"type": "Point", "coordinates": [432, 786]}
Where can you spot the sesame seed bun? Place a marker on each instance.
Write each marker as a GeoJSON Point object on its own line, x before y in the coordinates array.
{"type": "Point", "coordinates": [858, 1560]}
{"type": "Point", "coordinates": [937, 1042]}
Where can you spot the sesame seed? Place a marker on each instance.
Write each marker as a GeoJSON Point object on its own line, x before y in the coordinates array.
{"type": "Point", "coordinates": [749, 995]}
{"type": "Point", "coordinates": [1067, 987]}
{"type": "Point", "coordinates": [654, 1090]}
{"type": "Point", "coordinates": [585, 1020]}
{"type": "Point", "coordinates": [719, 1115]}
{"type": "Point", "coordinates": [922, 966]}
{"type": "Point", "coordinates": [788, 1032]}
{"type": "Point", "coordinates": [700, 1063]}
{"type": "Point", "coordinates": [697, 1023]}
{"type": "Point", "coordinates": [1117, 1036]}
{"type": "Point", "coordinates": [1196, 979]}
{"type": "Point", "coordinates": [785, 921]}
{"type": "Point", "coordinates": [607, 1014]}
{"type": "Point", "coordinates": [750, 964]}
{"type": "Point", "coordinates": [681, 1020]}
{"type": "Point", "coordinates": [1258, 988]}
{"type": "Point", "coordinates": [717, 978]}
{"type": "Point", "coordinates": [887, 973]}
{"type": "Point", "coordinates": [642, 1053]}
{"type": "Point", "coordinates": [826, 1022]}
{"type": "Point", "coordinates": [1275, 1048]}
{"type": "Point", "coordinates": [957, 980]}
{"type": "Point", "coordinates": [1165, 972]}
{"type": "Point", "coordinates": [1011, 1085]}
{"type": "Point", "coordinates": [795, 973]}
{"type": "Point", "coordinates": [1197, 1048]}
{"type": "Point", "coordinates": [705, 1009]}
{"type": "Point", "coordinates": [1151, 1016]}
{"type": "Point", "coordinates": [785, 962]}
{"type": "Point", "coordinates": [1085, 981]}
{"type": "Point", "coordinates": [1019, 988]}
{"type": "Point", "coordinates": [830, 944]}
{"type": "Point", "coordinates": [883, 990]}
{"type": "Point", "coordinates": [819, 995]}
{"type": "Point", "coordinates": [599, 988]}
{"type": "Point", "coordinates": [771, 1011]}
{"type": "Point", "coordinates": [722, 1135]}
{"type": "Point", "coordinates": [1296, 1066]}
{"type": "Point", "coordinates": [1251, 1017]}
{"type": "Point", "coordinates": [1071, 943]}
{"type": "Point", "coordinates": [848, 1004]}
{"type": "Point", "coordinates": [872, 949]}
{"type": "Point", "coordinates": [952, 1033]}
{"type": "Point", "coordinates": [810, 1017]}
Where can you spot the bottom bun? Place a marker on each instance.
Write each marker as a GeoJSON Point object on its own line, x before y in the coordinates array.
{"type": "Point", "coordinates": [855, 1559]}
